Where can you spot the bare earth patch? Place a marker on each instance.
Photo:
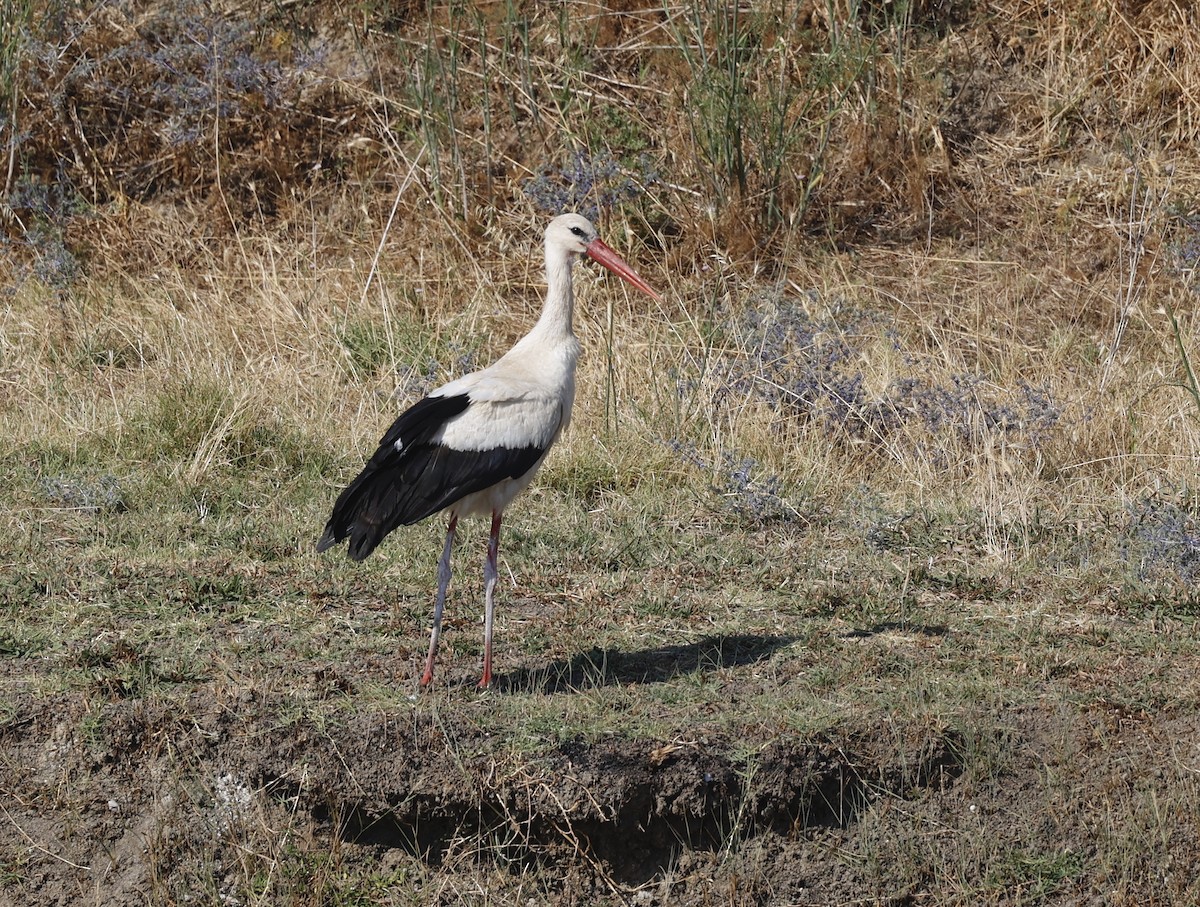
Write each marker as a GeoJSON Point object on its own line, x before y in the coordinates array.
{"type": "Point", "coordinates": [226, 797]}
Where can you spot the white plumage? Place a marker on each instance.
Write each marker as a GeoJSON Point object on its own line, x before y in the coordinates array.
{"type": "Point", "coordinates": [476, 442]}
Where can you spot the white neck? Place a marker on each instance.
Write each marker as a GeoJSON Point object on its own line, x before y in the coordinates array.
{"type": "Point", "coordinates": [555, 320]}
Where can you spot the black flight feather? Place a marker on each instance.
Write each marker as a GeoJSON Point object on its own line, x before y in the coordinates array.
{"type": "Point", "coordinates": [402, 486]}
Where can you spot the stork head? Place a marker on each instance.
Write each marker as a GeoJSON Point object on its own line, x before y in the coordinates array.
{"type": "Point", "coordinates": [572, 235]}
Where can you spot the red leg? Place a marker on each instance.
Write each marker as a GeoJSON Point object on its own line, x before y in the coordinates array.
{"type": "Point", "coordinates": [440, 603]}
{"type": "Point", "coordinates": [490, 573]}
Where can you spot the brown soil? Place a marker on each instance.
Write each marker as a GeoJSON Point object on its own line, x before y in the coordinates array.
{"type": "Point", "coordinates": [151, 802]}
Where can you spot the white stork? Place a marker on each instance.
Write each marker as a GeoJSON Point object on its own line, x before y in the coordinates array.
{"type": "Point", "coordinates": [475, 443]}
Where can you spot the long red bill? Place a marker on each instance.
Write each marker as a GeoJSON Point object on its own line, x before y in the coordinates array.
{"type": "Point", "coordinates": [598, 251]}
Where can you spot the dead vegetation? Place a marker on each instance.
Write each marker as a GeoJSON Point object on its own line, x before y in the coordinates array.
{"type": "Point", "coordinates": [866, 573]}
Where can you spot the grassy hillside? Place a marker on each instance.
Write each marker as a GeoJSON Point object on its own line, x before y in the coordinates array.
{"type": "Point", "coordinates": [866, 572]}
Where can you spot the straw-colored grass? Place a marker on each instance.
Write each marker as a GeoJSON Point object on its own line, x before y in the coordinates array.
{"type": "Point", "coordinates": [884, 517]}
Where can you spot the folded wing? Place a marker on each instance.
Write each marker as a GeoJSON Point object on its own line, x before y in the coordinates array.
{"type": "Point", "coordinates": [437, 452]}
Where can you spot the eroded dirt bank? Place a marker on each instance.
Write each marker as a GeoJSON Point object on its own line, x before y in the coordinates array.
{"type": "Point", "coordinates": [243, 801]}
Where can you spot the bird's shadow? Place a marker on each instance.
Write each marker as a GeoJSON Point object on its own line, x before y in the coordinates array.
{"type": "Point", "coordinates": [611, 667]}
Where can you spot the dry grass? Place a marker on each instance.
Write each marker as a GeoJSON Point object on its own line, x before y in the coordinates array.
{"type": "Point", "coordinates": [905, 455]}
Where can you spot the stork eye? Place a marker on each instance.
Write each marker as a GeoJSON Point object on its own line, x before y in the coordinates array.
{"type": "Point", "coordinates": [578, 231]}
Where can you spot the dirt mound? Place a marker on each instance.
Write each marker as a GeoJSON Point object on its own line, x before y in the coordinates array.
{"type": "Point", "coordinates": [131, 800]}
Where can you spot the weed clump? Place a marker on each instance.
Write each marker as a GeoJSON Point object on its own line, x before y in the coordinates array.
{"type": "Point", "coordinates": [98, 495]}
{"type": "Point", "coordinates": [815, 370]}
{"type": "Point", "coordinates": [1186, 249]}
{"type": "Point", "coordinates": [1163, 538]}
{"type": "Point", "coordinates": [740, 483]}
{"type": "Point", "coordinates": [161, 105]}
{"type": "Point", "coordinates": [588, 185]}
{"type": "Point", "coordinates": [188, 72]}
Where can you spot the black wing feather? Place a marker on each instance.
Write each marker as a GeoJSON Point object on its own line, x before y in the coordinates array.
{"type": "Point", "coordinates": [402, 486]}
